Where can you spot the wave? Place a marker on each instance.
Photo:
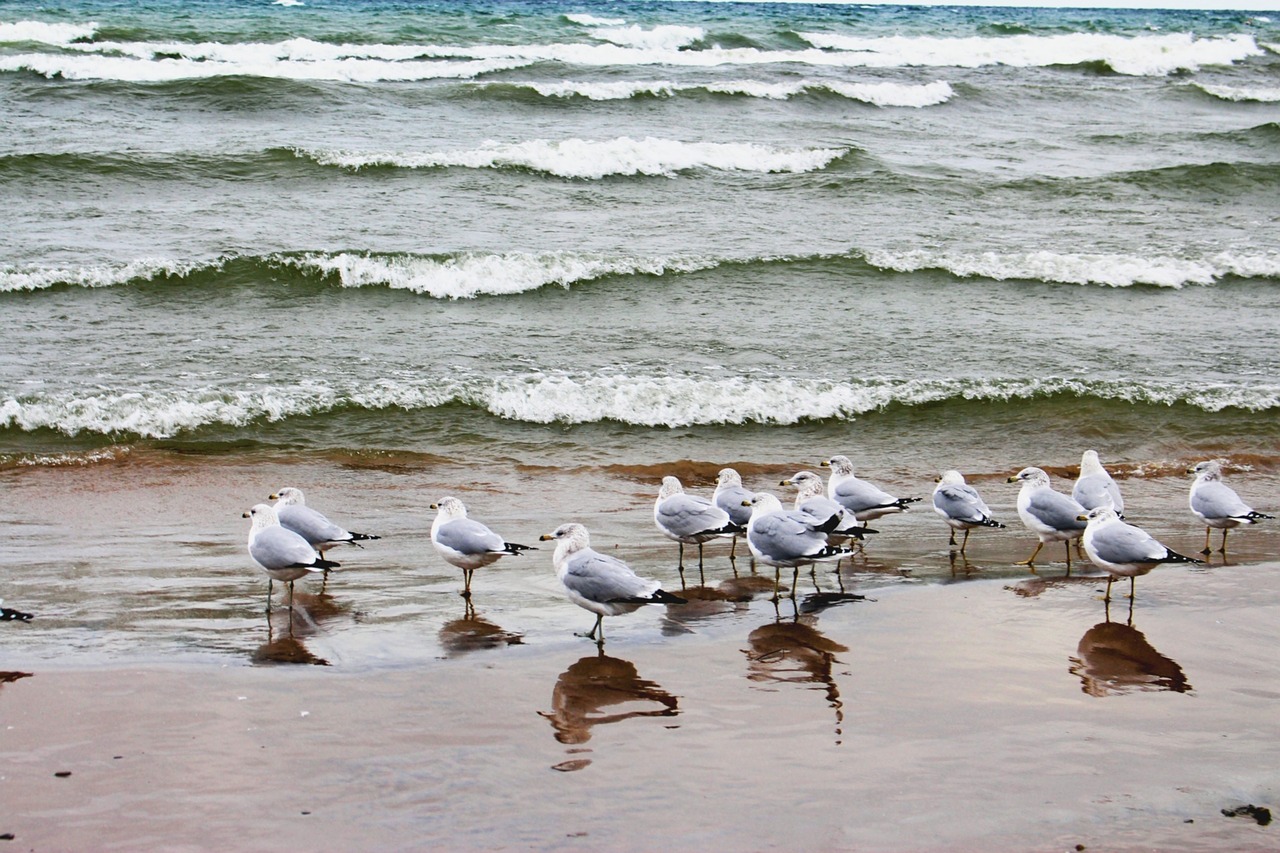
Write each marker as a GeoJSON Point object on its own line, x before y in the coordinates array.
{"type": "Point", "coordinates": [542, 398]}
{"type": "Point", "coordinates": [611, 46]}
{"type": "Point", "coordinates": [170, 68]}
{"type": "Point", "coordinates": [466, 275]}
{"type": "Point", "coordinates": [1259, 94]}
{"type": "Point", "coordinates": [884, 94]}
{"type": "Point", "coordinates": [1110, 270]}
{"type": "Point", "coordinates": [590, 159]}
{"type": "Point", "coordinates": [1153, 55]}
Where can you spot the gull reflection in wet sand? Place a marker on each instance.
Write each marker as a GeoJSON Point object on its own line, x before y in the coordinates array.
{"type": "Point", "coordinates": [592, 684]}
{"type": "Point", "coordinates": [286, 628]}
{"type": "Point", "coordinates": [794, 652]}
{"type": "Point", "coordinates": [472, 633]}
{"type": "Point", "coordinates": [1116, 659]}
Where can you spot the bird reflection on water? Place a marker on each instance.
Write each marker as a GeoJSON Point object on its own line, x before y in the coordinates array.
{"type": "Point", "coordinates": [286, 629]}
{"type": "Point", "coordinates": [592, 684]}
{"type": "Point", "coordinates": [792, 651]}
{"type": "Point", "coordinates": [472, 633]}
{"type": "Point", "coordinates": [1114, 659]}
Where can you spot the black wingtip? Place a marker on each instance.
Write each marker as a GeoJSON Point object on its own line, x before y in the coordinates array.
{"type": "Point", "coordinates": [664, 597]}
{"type": "Point", "coordinates": [324, 564]}
{"type": "Point", "coordinates": [514, 548]}
{"type": "Point", "coordinates": [363, 537]}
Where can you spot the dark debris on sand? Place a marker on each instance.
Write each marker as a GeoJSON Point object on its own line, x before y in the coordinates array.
{"type": "Point", "coordinates": [1259, 813]}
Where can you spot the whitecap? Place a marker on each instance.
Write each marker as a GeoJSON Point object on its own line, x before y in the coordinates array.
{"type": "Point", "coordinates": [1083, 268]}
{"type": "Point", "coordinates": [468, 275]}
{"type": "Point", "coordinates": [39, 32]}
{"type": "Point", "coordinates": [1259, 94]}
{"type": "Point", "coordinates": [1154, 55]}
{"type": "Point", "coordinates": [590, 159]}
{"type": "Point", "coordinates": [38, 277]}
{"type": "Point", "coordinates": [668, 37]}
{"type": "Point", "coordinates": [593, 21]}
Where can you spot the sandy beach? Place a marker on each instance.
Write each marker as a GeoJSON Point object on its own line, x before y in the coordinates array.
{"type": "Point", "coordinates": [992, 709]}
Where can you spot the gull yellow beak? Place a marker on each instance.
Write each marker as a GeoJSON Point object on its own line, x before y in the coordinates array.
{"type": "Point", "coordinates": [1082, 518]}
{"type": "Point", "coordinates": [1012, 479]}
{"type": "Point", "coordinates": [785, 483]}
{"type": "Point", "coordinates": [274, 496]}
{"type": "Point", "coordinates": [546, 537]}
{"type": "Point", "coordinates": [245, 514]}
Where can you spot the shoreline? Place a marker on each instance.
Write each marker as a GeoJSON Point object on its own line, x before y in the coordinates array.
{"type": "Point", "coordinates": [937, 717]}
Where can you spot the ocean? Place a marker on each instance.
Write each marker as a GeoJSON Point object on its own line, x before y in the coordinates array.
{"type": "Point", "coordinates": [539, 255]}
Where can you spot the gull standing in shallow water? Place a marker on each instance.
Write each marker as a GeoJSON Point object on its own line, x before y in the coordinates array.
{"type": "Point", "coordinates": [788, 539]}
{"type": "Point", "coordinates": [1123, 550]}
{"type": "Point", "coordinates": [1052, 516]}
{"type": "Point", "coordinates": [465, 542]}
{"type": "Point", "coordinates": [284, 555]}
{"type": "Point", "coordinates": [689, 518]}
{"type": "Point", "coordinates": [865, 500]}
{"type": "Point", "coordinates": [294, 514]}
{"type": "Point", "coordinates": [1217, 504]}
{"type": "Point", "coordinates": [597, 582]}
{"type": "Point", "coordinates": [732, 497]}
{"type": "Point", "coordinates": [1094, 487]}
{"type": "Point", "coordinates": [811, 498]}
{"type": "Point", "coordinates": [960, 506]}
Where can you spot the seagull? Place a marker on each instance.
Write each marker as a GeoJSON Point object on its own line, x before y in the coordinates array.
{"type": "Point", "coordinates": [811, 498]}
{"type": "Point", "coordinates": [1052, 516]}
{"type": "Point", "coordinates": [788, 538]}
{"type": "Point", "coordinates": [960, 506]}
{"type": "Point", "coordinates": [689, 518]}
{"type": "Point", "coordinates": [1094, 487]}
{"type": "Point", "coordinates": [861, 498]}
{"type": "Point", "coordinates": [731, 497]}
{"type": "Point", "coordinates": [1123, 550]}
{"type": "Point", "coordinates": [1217, 504]}
{"type": "Point", "coordinates": [320, 532]}
{"type": "Point", "coordinates": [597, 582]}
{"type": "Point", "coordinates": [284, 555]}
{"type": "Point", "coordinates": [465, 542]}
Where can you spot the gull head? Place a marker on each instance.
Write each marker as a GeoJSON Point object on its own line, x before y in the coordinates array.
{"type": "Point", "coordinates": [288, 496]}
{"type": "Point", "coordinates": [763, 503]}
{"type": "Point", "coordinates": [950, 478]}
{"type": "Point", "coordinates": [570, 537]}
{"type": "Point", "coordinates": [807, 483]}
{"type": "Point", "coordinates": [450, 507]}
{"type": "Point", "coordinates": [728, 477]}
{"type": "Point", "coordinates": [1098, 515]}
{"type": "Point", "coordinates": [1030, 477]}
{"type": "Point", "coordinates": [263, 515]}
{"type": "Point", "coordinates": [1208, 470]}
{"type": "Point", "coordinates": [670, 486]}
{"type": "Point", "coordinates": [1089, 464]}
{"type": "Point", "coordinates": [839, 465]}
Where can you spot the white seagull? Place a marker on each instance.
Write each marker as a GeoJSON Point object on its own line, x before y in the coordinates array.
{"type": "Point", "coordinates": [283, 555]}
{"type": "Point", "coordinates": [960, 506]}
{"type": "Point", "coordinates": [689, 519]}
{"type": "Point", "coordinates": [788, 538]}
{"type": "Point", "coordinates": [732, 497]}
{"type": "Point", "coordinates": [811, 498]}
{"type": "Point", "coordinates": [1052, 516]}
{"type": "Point", "coordinates": [865, 500]}
{"type": "Point", "coordinates": [1217, 504]}
{"type": "Point", "coordinates": [1094, 487]}
{"type": "Point", "coordinates": [294, 514]}
{"type": "Point", "coordinates": [598, 582]}
{"type": "Point", "coordinates": [1122, 550]}
{"type": "Point", "coordinates": [465, 542]}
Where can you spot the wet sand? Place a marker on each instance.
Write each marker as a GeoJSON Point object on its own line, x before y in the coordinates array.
{"type": "Point", "coordinates": [962, 707]}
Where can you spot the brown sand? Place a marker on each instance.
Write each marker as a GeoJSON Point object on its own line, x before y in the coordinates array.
{"type": "Point", "coordinates": [988, 715]}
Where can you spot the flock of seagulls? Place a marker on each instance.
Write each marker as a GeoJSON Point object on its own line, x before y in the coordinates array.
{"type": "Point", "coordinates": [827, 521]}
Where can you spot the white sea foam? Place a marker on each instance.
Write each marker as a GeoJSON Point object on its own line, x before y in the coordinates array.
{"type": "Point", "coordinates": [659, 38]}
{"type": "Point", "coordinates": [14, 277]}
{"type": "Point", "coordinates": [168, 69]}
{"type": "Point", "coordinates": [1260, 94]}
{"type": "Point", "coordinates": [881, 94]}
{"type": "Point", "coordinates": [650, 401]}
{"type": "Point", "coordinates": [593, 21]}
{"type": "Point", "coordinates": [589, 159]}
{"type": "Point", "coordinates": [38, 32]}
{"type": "Point", "coordinates": [468, 275]}
{"type": "Point", "coordinates": [1151, 55]}
{"type": "Point", "coordinates": [1082, 268]}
